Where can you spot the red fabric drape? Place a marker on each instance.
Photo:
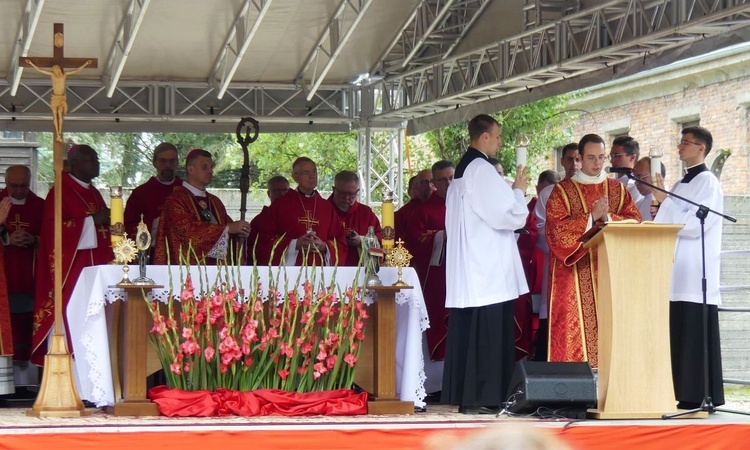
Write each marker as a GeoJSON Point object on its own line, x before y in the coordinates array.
{"type": "Point", "coordinates": [261, 402]}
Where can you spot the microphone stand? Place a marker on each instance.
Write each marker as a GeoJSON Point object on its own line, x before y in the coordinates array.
{"type": "Point", "coordinates": [707, 404]}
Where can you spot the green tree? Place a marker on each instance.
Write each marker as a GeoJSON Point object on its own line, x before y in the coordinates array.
{"type": "Point", "coordinates": [545, 122]}
{"type": "Point", "coordinates": [126, 157]}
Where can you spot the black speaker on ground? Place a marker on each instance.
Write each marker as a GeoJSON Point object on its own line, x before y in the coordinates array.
{"type": "Point", "coordinates": [554, 385]}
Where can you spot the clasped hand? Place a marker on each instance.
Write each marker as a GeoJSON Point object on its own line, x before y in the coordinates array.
{"type": "Point", "coordinates": [310, 241]}
{"type": "Point", "coordinates": [600, 208]}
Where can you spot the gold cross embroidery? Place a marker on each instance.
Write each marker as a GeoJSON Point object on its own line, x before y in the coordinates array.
{"type": "Point", "coordinates": [17, 224]}
{"type": "Point", "coordinates": [308, 220]}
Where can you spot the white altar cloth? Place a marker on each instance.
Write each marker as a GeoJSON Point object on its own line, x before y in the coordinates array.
{"type": "Point", "coordinates": [89, 332]}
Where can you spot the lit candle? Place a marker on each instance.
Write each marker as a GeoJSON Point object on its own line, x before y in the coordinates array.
{"type": "Point", "coordinates": [116, 215]}
{"type": "Point", "coordinates": [655, 154]}
{"type": "Point", "coordinates": [388, 221]}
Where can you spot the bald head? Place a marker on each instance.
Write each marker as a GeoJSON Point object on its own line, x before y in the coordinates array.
{"type": "Point", "coordinates": [17, 181]}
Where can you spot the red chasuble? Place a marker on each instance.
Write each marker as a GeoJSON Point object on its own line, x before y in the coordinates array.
{"type": "Point", "coordinates": [78, 203]}
{"type": "Point", "coordinates": [530, 256]}
{"type": "Point", "coordinates": [573, 271]}
{"type": "Point", "coordinates": [259, 258]}
{"type": "Point", "coordinates": [187, 219]}
{"type": "Point", "coordinates": [359, 218]}
{"type": "Point", "coordinates": [147, 199]}
{"type": "Point", "coordinates": [427, 221]}
{"type": "Point", "coordinates": [290, 217]}
{"type": "Point", "coordinates": [20, 273]}
{"type": "Point", "coordinates": [403, 221]}
{"type": "Point", "coordinates": [6, 336]}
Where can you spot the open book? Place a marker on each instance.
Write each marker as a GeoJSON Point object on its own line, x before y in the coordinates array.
{"type": "Point", "coordinates": [598, 227]}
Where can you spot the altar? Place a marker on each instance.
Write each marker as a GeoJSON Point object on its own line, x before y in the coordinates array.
{"type": "Point", "coordinates": [89, 330]}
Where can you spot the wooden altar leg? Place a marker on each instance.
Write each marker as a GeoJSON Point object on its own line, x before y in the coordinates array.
{"type": "Point", "coordinates": [384, 400]}
{"type": "Point", "coordinates": [133, 356]}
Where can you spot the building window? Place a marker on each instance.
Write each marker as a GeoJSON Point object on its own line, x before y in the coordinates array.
{"type": "Point", "coordinates": [11, 135]}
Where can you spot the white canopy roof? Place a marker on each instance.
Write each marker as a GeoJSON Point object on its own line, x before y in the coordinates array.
{"type": "Point", "coordinates": [335, 64]}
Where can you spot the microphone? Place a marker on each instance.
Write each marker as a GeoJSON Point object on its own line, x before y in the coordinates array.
{"type": "Point", "coordinates": [621, 170]}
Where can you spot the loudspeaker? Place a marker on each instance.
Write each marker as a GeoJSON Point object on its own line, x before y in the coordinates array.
{"type": "Point", "coordinates": [553, 385]}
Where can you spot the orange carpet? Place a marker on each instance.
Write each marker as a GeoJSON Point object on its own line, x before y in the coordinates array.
{"type": "Point", "coordinates": [578, 436]}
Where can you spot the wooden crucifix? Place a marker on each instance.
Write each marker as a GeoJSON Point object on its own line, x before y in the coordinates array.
{"type": "Point", "coordinates": [57, 394]}
{"type": "Point", "coordinates": [57, 63]}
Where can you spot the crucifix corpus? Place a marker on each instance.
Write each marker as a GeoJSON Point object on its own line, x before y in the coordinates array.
{"type": "Point", "coordinates": [57, 395]}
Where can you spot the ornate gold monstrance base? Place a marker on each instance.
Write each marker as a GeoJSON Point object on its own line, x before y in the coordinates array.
{"type": "Point", "coordinates": [57, 394]}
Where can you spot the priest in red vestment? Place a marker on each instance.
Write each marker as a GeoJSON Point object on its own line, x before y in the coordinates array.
{"type": "Point", "coordinates": [86, 241]}
{"type": "Point", "coordinates": [428, 232]}
{"type": "Point", "coordinates": [24, 225]}
{"type": "Point", "coordinates": [420, 188]}
{"type": "Point", "coordinates": [355, 217]}
{"type": "Point", "coordinates": [147, 199]}
{"type": "Point", "coordinates": [277, 187]}
{"type": "Point", "coordinates": [575, 206]}
{"type": "Point", "coordinates": [302, 227]}
{"type": "Point", "coordinates": [194, 218]}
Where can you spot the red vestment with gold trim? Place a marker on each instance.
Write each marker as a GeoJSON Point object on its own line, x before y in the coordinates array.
{"type": "Point", "coordinates": [573, 334]}
{"type": "Point", "coordinates": [185, 221]}
{"type": "Point", "coordinates": [78, 203]}
{"type": "Point", "coordinates": [290, 217]}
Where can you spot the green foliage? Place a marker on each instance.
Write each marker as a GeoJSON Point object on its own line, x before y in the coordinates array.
{"type": "Point", "coordinates": [546, 123]}
{"type": "Point", "coordinates": [126, 157]}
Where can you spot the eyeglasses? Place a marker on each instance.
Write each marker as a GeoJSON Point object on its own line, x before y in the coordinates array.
{"type": "Point", "coordinates": [425, 182]}
{"type": "Point", "coordinates": [348, 195]}
{"type": "Point", "coordinates": [684, 142]}
{"type": "Point", "coordinates": [592, 158]}
{"type": "Point", "coordinates": [642, 177]}
{"type": "Point", "coordinates": [617, 155]}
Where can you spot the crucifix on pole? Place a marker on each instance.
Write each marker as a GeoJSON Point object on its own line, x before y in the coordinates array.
{"type": "Point", "coordinates": [57, 395]}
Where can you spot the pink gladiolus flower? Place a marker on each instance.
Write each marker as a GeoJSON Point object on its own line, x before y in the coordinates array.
{"type": "Point", "coordinates": [321, 355]}
{"type": "Point", "coordinates": [208, 353]}
{"type": "Point", "coordinates": [200, 318]}
{"type": "Point", "coordinates": [286, 350]}
{"type": "Point", "coordinates": [331, 361]}
{"type": "Point", "coordinates": [187, 333]}
{"type": "Point", "coordinates": [319, 367]}
{"type": "Point", "coordinates": [273, 333]}
{"type": "Point", "coordinates": [187, 368]}
{"type": "Point", "coordinates": [176, 368]}
{"type": "Point", "coordinates": [350, 359]}
{"type": "Point", "coordinates": [306, 348]}
{"type": "Point", "coordinates": [305, 317]}
{"type": "Point", "coordinates": [283, 373]}
{"type": "Point", "coordinates": [258, 306]}
{"type": "Point", "coordinates": [359, 325]}
{"type": "Point", "coordinates": [249, 362]}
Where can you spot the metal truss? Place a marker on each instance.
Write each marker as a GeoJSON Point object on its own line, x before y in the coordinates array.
{"type": "Point", "coordinates": [160, 105]}
{"type": "Point", "coordinates": [245, 25]}
{"type": "Point", "coordinates": [120, 51]}
{"type": "Point", "coordinates": [333, 39]}
{"type": "Point", "coordinates": [591, 40]}
{"type": "Point", "coordinates": [541, 12]}
{"type": "Point", "coordinates": [380, 164]}
{"type": "Point", "coordinates": [431, 33]}
{"type": "Point", "coordinates": [23, 41]}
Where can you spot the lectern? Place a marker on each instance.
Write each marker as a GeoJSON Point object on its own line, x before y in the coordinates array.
{"type": "Point", "coordinates": [635, 271]}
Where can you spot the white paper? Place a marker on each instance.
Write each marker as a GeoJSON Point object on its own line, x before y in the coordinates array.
{"type": "Point", "coordinates": [438, 248]}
